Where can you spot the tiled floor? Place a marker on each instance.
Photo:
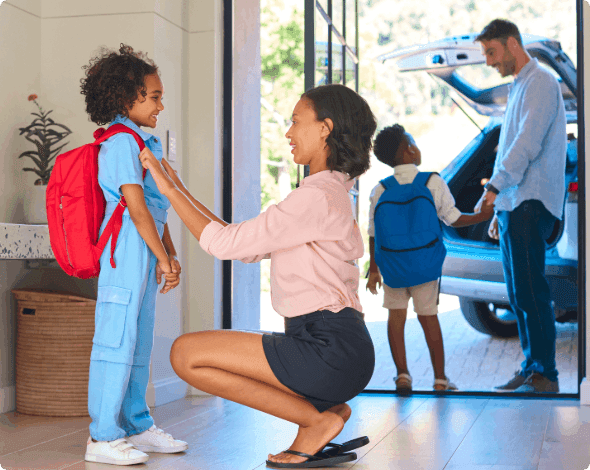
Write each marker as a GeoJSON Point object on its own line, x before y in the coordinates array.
{"type": "Point", "coordinates": [413, 433]}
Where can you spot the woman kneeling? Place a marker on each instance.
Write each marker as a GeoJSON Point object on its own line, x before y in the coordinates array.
{"type": "Point", "coordinates": [326, 356]}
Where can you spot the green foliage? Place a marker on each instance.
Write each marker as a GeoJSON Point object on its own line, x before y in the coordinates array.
{"type": "Point", "coordinates": [44, 133]}
{"type": "Point", "coordinates": [284, 59]}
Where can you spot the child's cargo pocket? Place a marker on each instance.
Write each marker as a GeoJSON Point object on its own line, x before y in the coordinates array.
{"type": "Point", "coordinates": [111, 310]}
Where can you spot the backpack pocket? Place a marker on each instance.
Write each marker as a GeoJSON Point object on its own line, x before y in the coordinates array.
{"type": "Point", "coordinates": [111, 311]}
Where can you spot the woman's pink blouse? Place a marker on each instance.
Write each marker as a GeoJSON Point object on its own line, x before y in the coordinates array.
{"type": "Point", "coordinates": [312, 240]}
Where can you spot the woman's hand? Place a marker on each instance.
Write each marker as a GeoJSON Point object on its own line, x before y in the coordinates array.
{"type": "Point", "coordinates": [149, 162]}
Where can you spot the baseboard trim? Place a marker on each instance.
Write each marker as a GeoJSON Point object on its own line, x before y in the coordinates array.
{"type": "Point", "coordinates": [7, 399]}
{"type": "Point", "coordinates": [195, 392]}
{"type": "Point", "coordinates": [165, 391]}
{"type": "Point", "coordinates": [585, 392]}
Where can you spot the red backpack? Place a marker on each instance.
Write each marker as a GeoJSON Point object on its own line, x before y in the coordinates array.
{"type": "Point", "coordinates": [76, 208]}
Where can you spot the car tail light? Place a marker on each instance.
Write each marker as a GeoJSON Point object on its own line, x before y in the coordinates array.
{"type": "Point", "coordinates": [572, 192]}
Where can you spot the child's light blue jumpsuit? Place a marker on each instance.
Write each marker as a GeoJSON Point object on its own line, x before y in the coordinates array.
{"type": "Point", "coordinates": [126, 304]}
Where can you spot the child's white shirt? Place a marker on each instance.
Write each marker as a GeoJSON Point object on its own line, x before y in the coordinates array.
{"type": "Point", "coordinates": [443, 199]}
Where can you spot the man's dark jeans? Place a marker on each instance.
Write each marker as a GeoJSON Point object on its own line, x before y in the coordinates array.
{"type": "Point", "coordinates": [523, 233]}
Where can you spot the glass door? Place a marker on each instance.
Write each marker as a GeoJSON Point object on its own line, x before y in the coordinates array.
{"type": "Point", "coordinates": [331, 52]}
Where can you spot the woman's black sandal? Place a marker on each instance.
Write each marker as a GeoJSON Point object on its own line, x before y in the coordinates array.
{"type": "Point", "coordinates": [313, 461]}
{"type": "Point", "coordinates": [337, 449]}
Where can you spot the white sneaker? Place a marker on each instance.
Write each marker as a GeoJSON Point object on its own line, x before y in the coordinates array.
{"type": "Point", "coordinates": [156, 440]}
{"type": "Point", "coordinates": [118, 452]}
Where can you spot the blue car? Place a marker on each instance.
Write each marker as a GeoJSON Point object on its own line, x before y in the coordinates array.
{"type": "Point", "coordinates": [473, 267]}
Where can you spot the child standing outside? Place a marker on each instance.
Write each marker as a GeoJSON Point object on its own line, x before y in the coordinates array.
{"type": "Point", "coordinates": [125, 88]}
{"type": "Point", "coordinates": [396, 147]}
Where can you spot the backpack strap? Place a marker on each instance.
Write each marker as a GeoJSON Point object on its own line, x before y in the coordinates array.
{"type": "Point", "coordinates": [422, 178]}
{"type": "Point", "coordinates": [390, 182]}
{"type": "Point", "coordinates": [114, 224]}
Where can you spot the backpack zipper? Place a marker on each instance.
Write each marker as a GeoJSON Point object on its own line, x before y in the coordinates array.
{"type": "Point", "coordinates": [429, 245]}
{"type": "Point", "coordinates": [64, 229]}
{"type": "Point", "coordinates": [405, 202]}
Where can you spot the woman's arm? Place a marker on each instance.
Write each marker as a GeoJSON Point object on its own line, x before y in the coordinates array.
{"type": "Point", "coordinates": [180, 185]}
{"type": "Point", "coordinates": [303, 217]}
{"type": "Point", "coordinates": [192, 217]}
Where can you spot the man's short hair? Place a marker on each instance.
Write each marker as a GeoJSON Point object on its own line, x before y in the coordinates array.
{"type": "Point", "coordinates": [500, 30]}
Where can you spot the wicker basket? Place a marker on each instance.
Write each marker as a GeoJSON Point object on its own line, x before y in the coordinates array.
{"type": "Point", "coordinates": [53, 345]}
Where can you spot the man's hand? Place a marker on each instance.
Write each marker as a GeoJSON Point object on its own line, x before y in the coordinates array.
{"type": "Point", "coordinates": [374, 279]}
{"type": "Point", "coordinates": [493, 229]}
{"type": "Point", "coordinates": [488, 198]}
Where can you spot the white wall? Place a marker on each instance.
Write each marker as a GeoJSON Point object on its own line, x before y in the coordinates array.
{"type": "Point", "coordinates": [246, 154]}
{"type": "Point", "coordinates": [45, 44]}
{"type": "Point", "coordinates": [20, 54]}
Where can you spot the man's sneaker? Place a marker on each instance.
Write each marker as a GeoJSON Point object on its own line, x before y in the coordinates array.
{"type": "Point", "coordinates": [512, 384]}
{"type": "Point", "coordinates": [118, 452]}
{"type": "Point", "coordinates": [537, 383]}
{"type": "Point", "coordinates": [156, 440]}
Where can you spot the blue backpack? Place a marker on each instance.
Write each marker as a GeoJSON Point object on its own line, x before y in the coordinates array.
{"type": "Point", "coordinates": [409, 247]}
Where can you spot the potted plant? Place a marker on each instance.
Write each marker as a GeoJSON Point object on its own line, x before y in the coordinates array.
{"type": "Point", "coordinates": [45, 134]}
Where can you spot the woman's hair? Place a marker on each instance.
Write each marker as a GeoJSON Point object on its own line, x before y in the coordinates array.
{"type": "Point", "coordinates": [113, 81]}
{"type": "Point", "coordinates": [350, 140]}
{"type": "Point", "coordinates": [387, 144]}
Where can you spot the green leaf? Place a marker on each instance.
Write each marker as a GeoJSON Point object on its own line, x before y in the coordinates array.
{"type": "Point", "coordinates": [56, 150]}
{"type": "Point", "coordinates": [28, 153]}
{"type": "Point", "coordinates": [34, 170]}
{"type": "Point", "coordinates": [37, 161]}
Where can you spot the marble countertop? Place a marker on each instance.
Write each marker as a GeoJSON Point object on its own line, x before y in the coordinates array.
{"type": "Point", "coordinates": [21, 241]}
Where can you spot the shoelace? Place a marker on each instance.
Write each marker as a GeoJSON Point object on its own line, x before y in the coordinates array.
{"type": "Point", "coordinates": [122, 445]}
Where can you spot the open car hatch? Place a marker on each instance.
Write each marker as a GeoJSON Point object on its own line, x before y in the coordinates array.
{"type": "Point", "coordinates": [442, 58]}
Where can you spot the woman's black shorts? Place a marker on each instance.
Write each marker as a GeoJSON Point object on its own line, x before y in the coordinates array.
{"type": "Point", "coordinates": [326, 357]}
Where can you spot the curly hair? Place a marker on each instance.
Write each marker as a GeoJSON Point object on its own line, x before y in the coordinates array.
{"type": "Point", "coordinates": [350, 140]}
{"type": "Point", "coordinates": [113, 81]}
{"type": "Point", "coordinates": [388, 142]}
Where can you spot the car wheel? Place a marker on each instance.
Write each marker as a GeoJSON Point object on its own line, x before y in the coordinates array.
{"type": "Point", "coordinates": [488, 318]}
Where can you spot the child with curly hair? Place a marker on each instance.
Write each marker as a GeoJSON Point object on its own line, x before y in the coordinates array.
{"type": "Point", "coordinates": [124, 88]}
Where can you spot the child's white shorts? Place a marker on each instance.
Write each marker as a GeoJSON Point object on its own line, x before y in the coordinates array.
{"type": "Point", "coordinates": [425, 297]}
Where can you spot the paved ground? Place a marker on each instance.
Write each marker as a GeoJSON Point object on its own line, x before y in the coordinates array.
{"type": "Point", "coordinates": [474, 361]}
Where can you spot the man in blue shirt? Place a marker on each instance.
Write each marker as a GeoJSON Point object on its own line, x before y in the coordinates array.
{"type": "Point", "coordinates": [527, 189]}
